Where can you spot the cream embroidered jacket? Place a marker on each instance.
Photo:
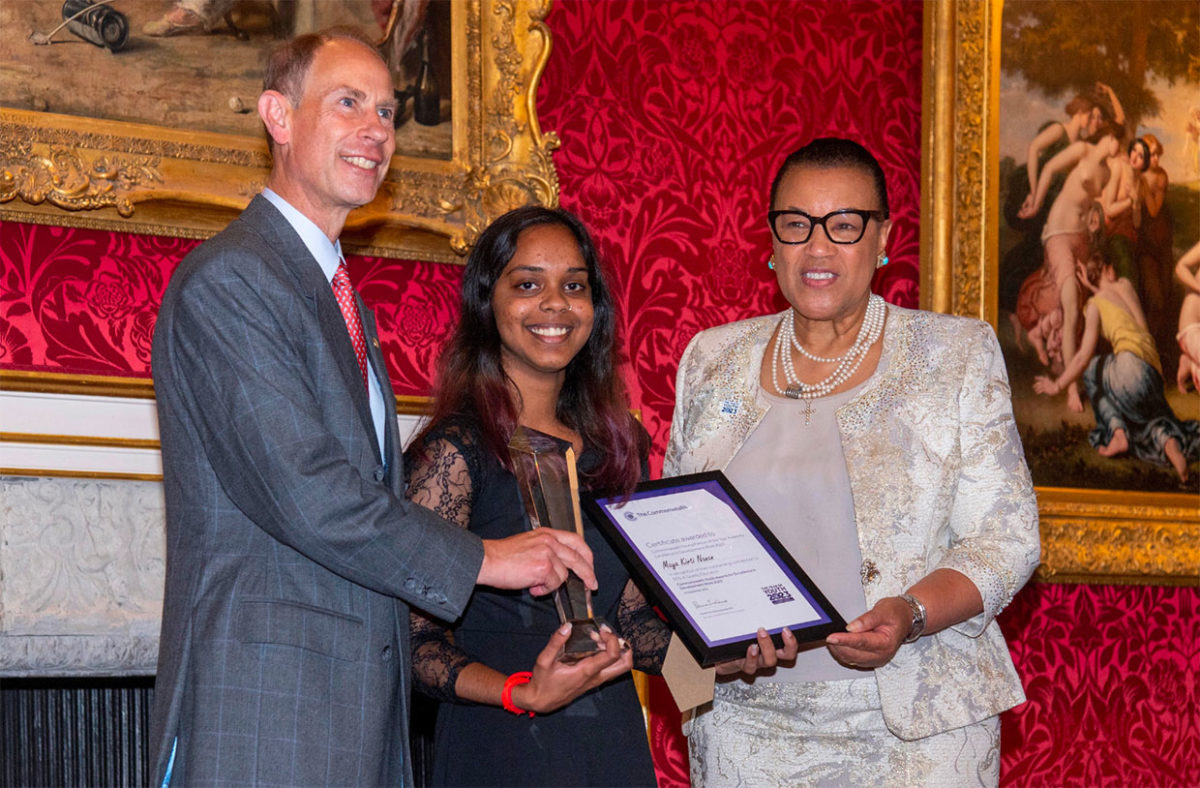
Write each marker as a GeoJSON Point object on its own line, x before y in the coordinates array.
{"type": "Point", "coordinates": [938, 479]}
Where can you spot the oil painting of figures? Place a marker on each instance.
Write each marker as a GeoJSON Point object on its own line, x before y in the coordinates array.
{"type": "Point", "coordinates": [1099, 262]}
{"type": "Point", "coordinates": [196, 65]}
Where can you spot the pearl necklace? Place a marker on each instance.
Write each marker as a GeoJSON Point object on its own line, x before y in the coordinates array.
{"type": "Point", "coordinates": [819, 359]}
{"type": "Point", "coordinates": [848, 362]}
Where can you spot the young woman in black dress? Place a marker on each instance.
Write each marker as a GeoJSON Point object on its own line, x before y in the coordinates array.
{"type": "Point", "coordinates": [535, 346]}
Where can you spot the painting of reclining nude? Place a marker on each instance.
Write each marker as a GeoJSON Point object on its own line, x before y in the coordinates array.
{"type": "Point", "coordinates": [1099, 235]}
{"type": "Point", "coordinates": [196, 65]}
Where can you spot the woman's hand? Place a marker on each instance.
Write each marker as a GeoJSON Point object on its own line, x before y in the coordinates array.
{"type": "Point", "coordinates": [1044, 384]}
{"type": "Point", "coordinates": [872, 639]}
{"type": "Point", "coordinates": [1029, 207]}
{"type": "Point", "coordinates": [761, 655]}
{"type": "Point", "coordinates": [555, 684]}
{"type": "Point", "coordinates": [1081, 275]}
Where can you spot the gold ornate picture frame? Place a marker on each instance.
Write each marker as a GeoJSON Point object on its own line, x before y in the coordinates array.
{"type": "Point", "coordinates": [130, 177]}
{"type": "Point", "coordinates": [1105, 536]}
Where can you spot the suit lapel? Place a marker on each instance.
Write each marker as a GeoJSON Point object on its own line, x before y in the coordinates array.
{"type": "Point", "coordinates": [391, 431]}
{"type": "Point", "coordinates": [311, 281]}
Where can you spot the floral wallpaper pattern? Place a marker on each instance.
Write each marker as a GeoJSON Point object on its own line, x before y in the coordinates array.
{"type": "Point", "coordinates": [81, 301]}
{"type": "Point", "coordinates": [673, 118]}
{"type": "Point", "coordinates": [1110, 673]}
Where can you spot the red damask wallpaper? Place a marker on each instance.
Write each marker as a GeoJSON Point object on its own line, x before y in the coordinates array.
{"type": "Point", "coordinates": [673, 117]}
{"type": "Point", "coordinates": [84, 301]}
{"type": "Point", "coordinates": [1111, 677]}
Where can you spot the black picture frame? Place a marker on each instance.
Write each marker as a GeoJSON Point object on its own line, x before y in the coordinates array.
{"type": "Point", "coordinates": [710, 651]}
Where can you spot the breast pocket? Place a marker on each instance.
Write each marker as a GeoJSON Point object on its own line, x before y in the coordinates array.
{"type": "Point", "coordinates": [283, 623]}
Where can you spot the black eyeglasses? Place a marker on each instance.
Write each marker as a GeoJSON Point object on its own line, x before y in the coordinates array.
{"type": "Point", "coordinates": [841, 227]}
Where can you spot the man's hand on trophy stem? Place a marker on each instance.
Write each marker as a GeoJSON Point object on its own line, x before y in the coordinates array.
{"type": "Point", "coordinates": [539, 559]}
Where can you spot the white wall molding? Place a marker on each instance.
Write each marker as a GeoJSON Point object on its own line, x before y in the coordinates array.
{"type": "Point", "coordinates": [89, 436]}
{"type": "Point", "coordinates": [45, 434]}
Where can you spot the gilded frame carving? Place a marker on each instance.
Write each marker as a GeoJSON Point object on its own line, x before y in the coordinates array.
{"type": "Point", "coordinates": [63, 170]}
{"type": "Point", "coordinates": [1092, 536]}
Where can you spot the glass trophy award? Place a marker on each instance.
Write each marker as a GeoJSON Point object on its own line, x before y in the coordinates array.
{"type": "Point", "coordinates": [549, 484]}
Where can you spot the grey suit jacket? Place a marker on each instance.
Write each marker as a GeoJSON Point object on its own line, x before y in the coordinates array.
{"type": "Point", "coordinates": [291, 552]}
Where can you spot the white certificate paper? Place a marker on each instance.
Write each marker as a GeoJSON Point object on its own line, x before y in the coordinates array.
{"type": "Point", "coordinates": [715, 560]}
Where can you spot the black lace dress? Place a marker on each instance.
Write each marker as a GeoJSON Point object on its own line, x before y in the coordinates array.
{"type": "Point", "coordinates": [598, 739]}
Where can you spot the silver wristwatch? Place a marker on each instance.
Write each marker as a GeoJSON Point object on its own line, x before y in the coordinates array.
{"type": "Point", "coordinates": [917, 628]}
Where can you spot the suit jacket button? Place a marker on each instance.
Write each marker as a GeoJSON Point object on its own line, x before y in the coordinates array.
{"type": "Point", "coordinates": [380, 473]}
{"type": "Point", "coordinates": [386, 654]}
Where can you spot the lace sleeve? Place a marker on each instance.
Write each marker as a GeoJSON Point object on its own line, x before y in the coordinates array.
{"type": "Point", "coordinates": [439, 479]}
{"type": "Point", "coordinates": [646, 632]}
{"type": "Point", "coordinates": [636, 618]}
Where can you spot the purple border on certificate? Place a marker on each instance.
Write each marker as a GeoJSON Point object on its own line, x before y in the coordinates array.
{"type": "Point", "coordinates": [717, 490]}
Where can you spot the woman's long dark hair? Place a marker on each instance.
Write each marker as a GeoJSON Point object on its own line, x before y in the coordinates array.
{"type": "Point", "coordinates": [471, 383]}
{"type": "Point", "coordinates": [1138, 142]}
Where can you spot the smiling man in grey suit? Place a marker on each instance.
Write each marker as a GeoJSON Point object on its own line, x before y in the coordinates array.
{"type": "Point", "coordinates": [291, 553]}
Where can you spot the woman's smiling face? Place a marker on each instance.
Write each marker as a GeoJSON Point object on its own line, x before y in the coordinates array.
{"type": "Point", "coordinates": [542, 304]}
{"type": "Point", "coordinates": [820, 279]}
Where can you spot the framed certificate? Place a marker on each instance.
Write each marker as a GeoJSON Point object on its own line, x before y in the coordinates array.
{"type": "Point", "coordinates": [713, 565]}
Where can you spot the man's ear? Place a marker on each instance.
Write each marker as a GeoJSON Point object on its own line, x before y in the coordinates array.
{"type": "Point", "coordinates": [276, 112]}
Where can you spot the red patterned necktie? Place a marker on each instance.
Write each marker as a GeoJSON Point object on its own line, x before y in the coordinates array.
{"type": "Point", "coordinates": [344, 292]}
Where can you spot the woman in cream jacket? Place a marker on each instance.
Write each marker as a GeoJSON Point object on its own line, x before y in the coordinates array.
{"type": "Point", "coordinates": [896, 479]}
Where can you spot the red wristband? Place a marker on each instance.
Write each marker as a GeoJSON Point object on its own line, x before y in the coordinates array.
{"type": "Point", "coordinates": [515, 680]}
